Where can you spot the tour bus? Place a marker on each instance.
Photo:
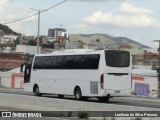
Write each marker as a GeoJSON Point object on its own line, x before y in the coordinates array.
{"type": "Point", "coordinates": [83, 73]}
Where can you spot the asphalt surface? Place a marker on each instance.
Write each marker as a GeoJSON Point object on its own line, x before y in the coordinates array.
{"type": "Point", "coordinates": [131, 101]}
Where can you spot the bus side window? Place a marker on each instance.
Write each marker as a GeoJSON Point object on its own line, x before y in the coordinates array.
{"type": "Point", "coordinates": [47, 62]}
{"type": "Point", "coordinates": [81, 62]}
{"type": "Point", "coordinates": [37, 63]}
{"type": "Point", "coordinates": [69, 62]}
{"type": "Point", "coordinates": [58, 62]}
{"type": "Point", "coordinates": [93, 61]}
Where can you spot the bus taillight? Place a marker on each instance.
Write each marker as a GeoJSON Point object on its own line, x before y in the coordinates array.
{"type": "Point", "coordinates": [101, 80]}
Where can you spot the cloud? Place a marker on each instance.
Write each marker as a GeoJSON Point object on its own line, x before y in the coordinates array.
{"type": "Point", "coordinates": [3, 3]}
{"type": "Point", "coordinates": [104, 0]}
{"type": "Point", "coordinates": [11, 12]}
{"type": "Point", "coordinates": [91, 0]}
{"type": "Point", "coordinates": [128, 8]}
{"type": "Point", "coordinates": [136, 18]}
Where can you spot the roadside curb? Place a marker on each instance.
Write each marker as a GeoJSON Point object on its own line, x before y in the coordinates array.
{"type": "Point", "coordinates": [142, 99]}
{"type": "Point", "coordinates": [10, 89]}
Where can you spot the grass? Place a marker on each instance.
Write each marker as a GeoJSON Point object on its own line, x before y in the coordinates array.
{"type": "Point", "coordinates": [83, 115]}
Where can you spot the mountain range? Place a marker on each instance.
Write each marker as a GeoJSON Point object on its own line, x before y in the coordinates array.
{"type": "Point", "coordinates": [106, 39]}
{"type": "Point", "coordinates": [88, 38]}
{"type": "Point", "coordinates": [7, 30]}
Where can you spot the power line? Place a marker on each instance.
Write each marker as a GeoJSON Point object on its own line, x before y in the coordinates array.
{"type": "Point", "coordinates": [21, 19]}
{"type": "Point", "coordinates": [35, 13]}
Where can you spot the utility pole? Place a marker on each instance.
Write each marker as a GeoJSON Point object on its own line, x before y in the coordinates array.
{"type": "Point", "coordinates": [158, 52]}
{"type": "Point", "coordinates": [158, 69]}
{"type": "Point", "coordinates": [38, 29]}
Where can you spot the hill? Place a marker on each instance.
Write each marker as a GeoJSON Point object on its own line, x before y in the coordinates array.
{"type": "Point", "coordinates": [106, 39]}
{"type": "Point", "coordinates": [7, 30]}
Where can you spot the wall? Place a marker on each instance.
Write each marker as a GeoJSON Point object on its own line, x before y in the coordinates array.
{"type": "Point", "coordinates": [145, 82]}
{"type": "Point", "coordinates": [11, 60]}
{"type": "Point", "coordinates": [12, 80]}
{"type": "Point", "coordinates": [27, 49]}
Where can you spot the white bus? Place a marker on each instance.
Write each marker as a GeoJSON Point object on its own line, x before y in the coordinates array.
{"type": "Point", "coordinates": [84, 73]}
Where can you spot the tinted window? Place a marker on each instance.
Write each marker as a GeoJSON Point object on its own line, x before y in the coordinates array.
{"type": "Point", "coordinates": [47, 62]}
{"type": "Point", "coordinates": [81, 62]}
{"type": "Point", "coordinates": [58, 62]}
{"type": "Point", "coordinates": [117, 58]}
{"type": "Point", "coordinates": [30, 60]}
{"type": "Point", "coordinates": [43, 62]}
{"type": "Point", "coordinates": [93, 61]}
{"type": "Point", "coordinates": [69, 62]}
{"type": "Point", "coordinates": [38, 63]}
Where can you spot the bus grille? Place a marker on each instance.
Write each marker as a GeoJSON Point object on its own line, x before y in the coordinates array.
{"type": "Point", "coordinates": [93, 87]}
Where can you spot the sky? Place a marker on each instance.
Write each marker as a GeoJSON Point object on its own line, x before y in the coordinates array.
{"type": "Point", "coordinates": [136, 19]}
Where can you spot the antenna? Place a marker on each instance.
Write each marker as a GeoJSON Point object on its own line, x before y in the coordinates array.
{"type": "Point", "coordinates": [60, 25]}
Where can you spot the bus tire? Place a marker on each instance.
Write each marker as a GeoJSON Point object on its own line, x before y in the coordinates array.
{"type": "Point", "coordinates": [103, 99]}
{"type": "Point", "coordinates": [36, 91]}
{"type": "Point", "coordinates": [61, 96]}
{"type": "Point", "coordinates": [78, 94]}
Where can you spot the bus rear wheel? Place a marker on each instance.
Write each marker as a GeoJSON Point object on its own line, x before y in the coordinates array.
{"type": "Point", "coordinates": [78, 93]}
{"type": "Point", "coordinates": [103, 99]}
{"type": "Point", "coordinates": [36, 91]}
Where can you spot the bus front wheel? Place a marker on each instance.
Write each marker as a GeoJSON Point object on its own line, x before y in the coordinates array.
{"type": "Point", "coordinates": [36, 91]}
{"type": "Point", "coordinates": [78, 93]}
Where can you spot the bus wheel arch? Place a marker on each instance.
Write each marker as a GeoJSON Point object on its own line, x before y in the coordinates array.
{"type": "Point", "coordinates": [78, 93]}
{"type": "Point", "coordinates": [36, 90]}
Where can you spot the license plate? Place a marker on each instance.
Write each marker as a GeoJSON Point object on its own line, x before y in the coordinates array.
{"type": "Point", "coordinates": [117, 91]}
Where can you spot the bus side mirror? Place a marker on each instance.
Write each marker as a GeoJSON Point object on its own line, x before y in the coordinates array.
{"type": "Point", "coordinates": [22, 67]}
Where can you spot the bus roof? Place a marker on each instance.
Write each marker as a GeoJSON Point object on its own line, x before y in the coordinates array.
{"type": "Point", "coordinates": [73, 51]}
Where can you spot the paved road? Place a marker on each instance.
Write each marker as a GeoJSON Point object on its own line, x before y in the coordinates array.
{"type": "Point", "coordinates": [114, 101]}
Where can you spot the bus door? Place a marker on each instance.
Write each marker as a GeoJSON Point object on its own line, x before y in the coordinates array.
{"type": "Point", "coordinates": [118, 70]}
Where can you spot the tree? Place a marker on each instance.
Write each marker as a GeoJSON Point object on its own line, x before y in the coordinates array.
{"type": "Point", "coordinates": [154, 67]}
{"type": "Point", "coordinates": [32, 42]}
{"type": "Point", "coordinates": [97, 40]}
{"type": "Point", "coordinates": [17, 42]}
{"type": "Point", "coordinates": [48, 45]}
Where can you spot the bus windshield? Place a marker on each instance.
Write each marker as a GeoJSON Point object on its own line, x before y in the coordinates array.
{"type": "Point", "coordinates": [117, 58]}
{"type": "Point", "coordinates": [30, 60]}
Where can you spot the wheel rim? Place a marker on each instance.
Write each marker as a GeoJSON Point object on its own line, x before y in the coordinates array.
{"type": "Point", "coordinates": [78, 94]}
{"type": "Point", "coordinates": [37, 91]}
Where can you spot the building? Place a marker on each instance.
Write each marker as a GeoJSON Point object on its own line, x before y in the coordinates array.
{"type": "Point", "coordinates": [54, 34]}
{"type": "Point", "coordinates": [6, 38]}
{"type": "Point", "coordinates": [51, 32]}
{"type": "Point", "coordinates": [9, 38]}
